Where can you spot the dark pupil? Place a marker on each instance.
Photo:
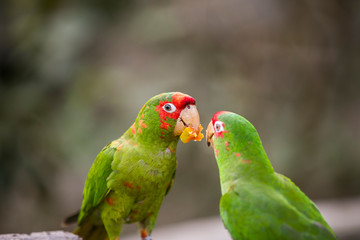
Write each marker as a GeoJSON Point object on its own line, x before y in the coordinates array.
{"type": "Point", "coordinates": [217, 127]}
{"type": "Point", "coordinates": [167, 107]}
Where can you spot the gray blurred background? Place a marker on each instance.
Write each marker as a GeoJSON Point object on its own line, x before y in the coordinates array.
{"type": "Point", "coordinates": [74, 75]}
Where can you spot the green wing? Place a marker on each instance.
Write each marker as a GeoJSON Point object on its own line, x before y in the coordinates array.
{"type": "Point", "coordinates": [299, 200]}
{"type": "Point", "coordinates": [252, 211]}
{"type": "Point", "coordinates": [171, 183]}
{"type": "Point", "coordinates": [96, 183]}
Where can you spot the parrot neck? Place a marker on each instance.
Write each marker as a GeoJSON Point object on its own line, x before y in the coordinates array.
{"type": "Point", "coordinates": [244, 163]}
{"type": "Point", "coordinates": [145, 134]}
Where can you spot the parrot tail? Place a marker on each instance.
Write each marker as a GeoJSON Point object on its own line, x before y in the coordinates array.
{"type": "Point", "coordinates": [70, 219]}
{"type": "Point", "coordinates": [91, 231]}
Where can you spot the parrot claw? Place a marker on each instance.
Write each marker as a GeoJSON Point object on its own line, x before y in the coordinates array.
{"type": "Point", "coordinates": [147, 238]}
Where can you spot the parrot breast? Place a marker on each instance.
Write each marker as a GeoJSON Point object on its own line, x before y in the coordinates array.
{"type": "Point", "coordinates": [142, 179]}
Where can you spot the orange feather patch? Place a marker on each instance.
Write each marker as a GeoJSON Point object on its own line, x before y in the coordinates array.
{"type": "Point", "coordinates": [133, 129]}
{"type": "Point", "coordinates": [110, 201]}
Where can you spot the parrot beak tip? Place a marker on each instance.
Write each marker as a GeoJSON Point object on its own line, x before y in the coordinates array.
{"type": "Point", "coordinates": [209, 134]}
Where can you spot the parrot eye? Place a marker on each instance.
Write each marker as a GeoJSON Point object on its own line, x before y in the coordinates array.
{"type": "Point", "coordinates": [169, 107]}
{"type": "Point", "coordinates": [219, 126]}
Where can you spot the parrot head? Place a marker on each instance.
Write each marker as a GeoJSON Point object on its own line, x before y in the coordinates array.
{"type": "Point", "coordinates": [167, 116]}
{"type": "Point", "coordinates": [234, 138]}
{"type": "Point", "coordinates": [218, 131]}
{"type": "Point", "coordinates": [237, 147]}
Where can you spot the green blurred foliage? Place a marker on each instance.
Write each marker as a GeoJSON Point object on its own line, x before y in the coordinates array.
{"type": "Point", "coordinates": [74, 74]}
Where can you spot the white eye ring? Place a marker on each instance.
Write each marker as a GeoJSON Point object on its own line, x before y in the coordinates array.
{"type": "Point", "coordinates": [219, 126]}
{"type": "Point", "coordinates": [169, 107]}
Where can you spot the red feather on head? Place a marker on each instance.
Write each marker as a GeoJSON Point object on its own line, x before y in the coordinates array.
{"type": "Point", "coordinates": [180, 101]}
{"type": "Point", "coordinates": [216, 116]}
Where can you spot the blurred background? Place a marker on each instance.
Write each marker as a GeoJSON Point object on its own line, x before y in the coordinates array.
{"type": "Point", "coordinates": [74, 75]}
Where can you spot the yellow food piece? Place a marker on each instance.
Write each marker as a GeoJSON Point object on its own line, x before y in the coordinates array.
{"type": "Point", "coordinates": [190, 133]}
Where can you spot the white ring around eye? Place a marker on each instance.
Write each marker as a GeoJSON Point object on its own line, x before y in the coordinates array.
{"type": "Point", "coordinates": [169, 107]}
{"type": "Point", "coordinates": [218, 126]}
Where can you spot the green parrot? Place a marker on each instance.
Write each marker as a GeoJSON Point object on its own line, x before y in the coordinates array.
{"type": "Point", "coordinates": [257, 202]}
{"type": "Point", "coordinates": [131, 175]}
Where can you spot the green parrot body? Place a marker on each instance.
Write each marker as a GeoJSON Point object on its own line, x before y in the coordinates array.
{"type": "Point", "coordinates": [131, 175]}
{"type": "Point", "coordinates": [256, 202]}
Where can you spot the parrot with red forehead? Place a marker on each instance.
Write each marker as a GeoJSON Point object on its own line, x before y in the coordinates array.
{"type": "Point", "coordinates": [131, 175]}
{"type": "Point", "coordinates": [257, 202]}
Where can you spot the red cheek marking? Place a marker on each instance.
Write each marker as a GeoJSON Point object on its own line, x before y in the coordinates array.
{"type": "Point", "coordinates": [164, 125]}
{"type": "Point", "coordinates": [110, 201]}
{"type": "Point", "coordinates": [165, 115]}
{"type": "Point", "coordinates": [220, 134]}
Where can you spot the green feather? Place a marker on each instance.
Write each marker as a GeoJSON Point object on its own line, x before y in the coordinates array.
{"type": "Point", "coordinates": [258, 203]}
{"type": "Point", "coordinates": [130, 176]}
{"type": "Point", "coordinates": [95, 186]}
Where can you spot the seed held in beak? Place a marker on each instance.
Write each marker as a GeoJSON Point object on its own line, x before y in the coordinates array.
{"type": "Point", "coordinates": [188, 125]}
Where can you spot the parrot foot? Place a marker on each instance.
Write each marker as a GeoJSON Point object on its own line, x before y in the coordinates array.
{"type": "Point", "coordinates": [144, 235]}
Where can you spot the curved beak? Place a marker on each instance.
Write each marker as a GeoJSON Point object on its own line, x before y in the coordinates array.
{"type": "Point", "coordinates": [189, 117]}
{"type": "Point", "coordinates": [210, 134]}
